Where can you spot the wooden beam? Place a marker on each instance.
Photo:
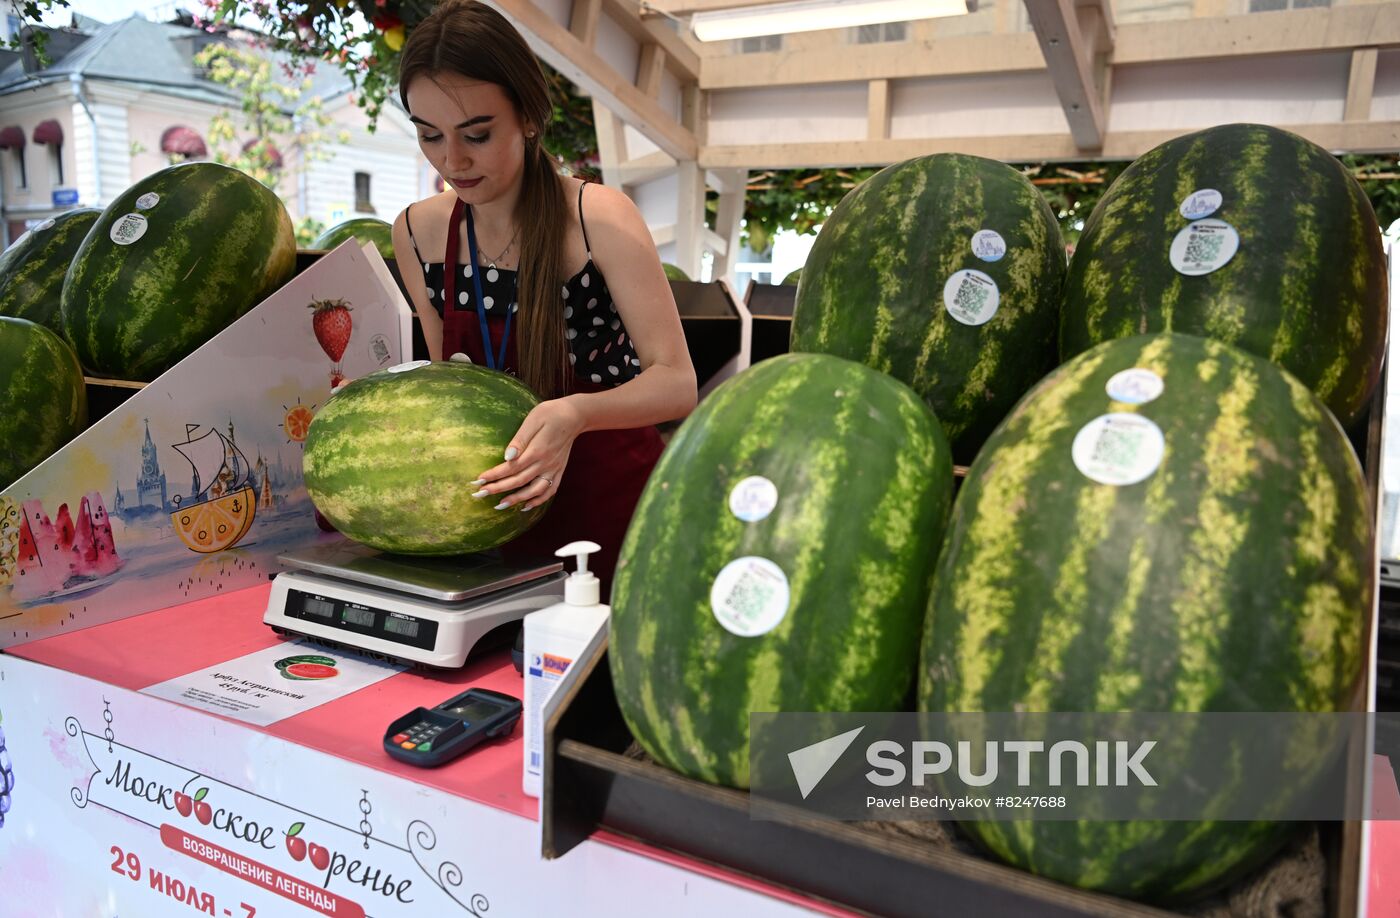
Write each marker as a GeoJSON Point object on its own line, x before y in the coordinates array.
{"type": "Point", "coordinates": [1360, 85]}
{"type": "Point", "coordinates": [583, 21]}
{"type": "Point", "coordinates": [649, 69]}
{"type": "Point", "coordinates": [878, 110]}
{"type": "Point", "coordinates": [728, 215]}
{"type": "Point", "coordinates": [1283, 32]}
{"type": "Point", "coordinates": [1286, 32]}
{"type": "Point", "coordinates": [662, 235]}
{"type": "Point", "coordinates": [612, 146]}
{"type": "Point", "coordinates": [1069, 56]}
{"type": "Point", "coordinates": [565, 53]}
{"type": "Point", "coordinates": [690, 217]}
{"type": "Point", "coordinates": [680, 56]}
{"type": "Point", "coordinates": [686, 7]}
{"type": "Point", "coordinates": [727, 181]}
{"type": "Point", "coordinates": [693, 112]}
{"type": "Point", "coordinates": [1355, 137]}
{"type": "Point", "coordinates": [1097, 23]}
{"type": "Point", "coordinates": [966, 55]}
{"type": "Point", "coordinates": [714, 242]}
{"type": "Point", "coordinates": [645, 169]}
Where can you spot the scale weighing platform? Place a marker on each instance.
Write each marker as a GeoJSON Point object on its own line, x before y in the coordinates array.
{"type": "Point", "coordinates": [422, 611]}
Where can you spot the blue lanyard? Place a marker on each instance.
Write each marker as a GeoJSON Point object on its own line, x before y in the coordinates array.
{"type": "Point", "coordinates": [499, 362]}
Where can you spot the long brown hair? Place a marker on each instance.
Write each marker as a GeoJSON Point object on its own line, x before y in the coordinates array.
{"type": "Point", "coordinates": [471, 39]}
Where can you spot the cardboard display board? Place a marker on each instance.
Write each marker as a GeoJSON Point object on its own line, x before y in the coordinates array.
{"type": "Point", "coordinates": [192, 486]}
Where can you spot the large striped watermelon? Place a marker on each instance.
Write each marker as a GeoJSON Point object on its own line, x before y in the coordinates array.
{"type": "Point", "coordinates": [1306, 287]}
{"type": "Point", "coordinates": [389, 457]}
{"type": "Point", "coordinates": [43, 400]}
{"type": "Point", "coordinates": [1235, 575]}
{"type": "Point", "coordinates": [945, 272]}
{"type": "Point", "coordinates": [170, 263]}
{"type": "Point", "coordinates": [32, 270]}
{"type": "Point", "coordinates": [778, 560]}
{"type": "Point", "coordinates": [364, 229]}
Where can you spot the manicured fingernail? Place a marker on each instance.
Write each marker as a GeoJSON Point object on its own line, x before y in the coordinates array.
{"type": "Point", "coordinates": [524, 507]}
{"type": "Point", "coordinates": [480, 494]}
{"type": "Point", "coordinates": [478, 483]}
{"type": "Point", "coordinates": [511, 453]}
{"type": "Point", "coordinates": [503, 505]}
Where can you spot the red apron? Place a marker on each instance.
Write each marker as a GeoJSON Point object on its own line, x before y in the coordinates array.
{"type": "Point", "coordinates": [607, 469]}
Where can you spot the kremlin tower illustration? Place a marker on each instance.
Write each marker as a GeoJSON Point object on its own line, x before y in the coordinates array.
{"type": "Point", "coordinates": [150, 486]}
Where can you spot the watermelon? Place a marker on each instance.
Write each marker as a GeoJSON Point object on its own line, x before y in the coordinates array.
{"type": "Point", "coordinates": [365, 229]}
{"type": "Point", "coordinates": [943, 271]}
{"type": "Point", "coordinates": [201, 244]}
{"type": "Point", "coordinates": [43, 394]}
{"type": "Point", "coordinates": [389, 457]}
{"type": "Point", "coordinates": [32, 270]}
{"type": "Point", "coordinates": [674, 273]}
{"type": "Point", "coordinates": [792, 278]}
{"type": "Point", "coordinates": [1306, 287]}
{"type": "Point", "coordinates": [1235, 575]}
{"type": "Point", "coordinates": [778, 560]}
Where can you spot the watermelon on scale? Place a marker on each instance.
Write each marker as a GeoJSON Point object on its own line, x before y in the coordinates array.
{"type": "Point", "coordinates": [43, 394]}
{"type": "Point", "coordinates": [1246, 234]}
{"type": "Point", "coordinates": [389, 457]}
{"type": "Point", "coordinates": [945, 272]}
{"type": "Point", "coordinates": [171, 263]}
{"type": "Point", "coordinates": [778, 560]}
{"type": "Point", "coordinates": [32, 270]}
{"type": "Point", "coordinates": [1164, 524]}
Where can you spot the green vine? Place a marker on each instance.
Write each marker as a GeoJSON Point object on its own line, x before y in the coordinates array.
{"type": "Point", "coordinates": [1380, 179]}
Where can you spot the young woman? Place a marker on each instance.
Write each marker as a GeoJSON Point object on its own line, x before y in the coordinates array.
{"type": "Point", "coordinates": [552, 280]}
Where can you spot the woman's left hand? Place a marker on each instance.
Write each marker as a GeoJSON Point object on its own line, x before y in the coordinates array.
{"type": "Point", "coordinates": [535, 458]}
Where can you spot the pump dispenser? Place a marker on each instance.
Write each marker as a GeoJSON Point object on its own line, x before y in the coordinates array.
{"type": "Point", "coordinates": [554, 638]}
{"type": "Point", "coordinates": [581, 589]}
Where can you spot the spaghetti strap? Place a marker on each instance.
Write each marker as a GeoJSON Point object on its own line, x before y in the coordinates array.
{"type": "Point", "coordinates": [408, 224]}
{"type": "Point", "coordinates": [583, 226]}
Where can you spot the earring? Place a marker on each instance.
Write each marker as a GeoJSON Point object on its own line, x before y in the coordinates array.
{"type": "Point", "coordinates": [529, 135]}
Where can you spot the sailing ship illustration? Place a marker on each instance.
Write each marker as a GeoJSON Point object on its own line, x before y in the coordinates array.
{"type": "Point", "coordinates": [220, 509]}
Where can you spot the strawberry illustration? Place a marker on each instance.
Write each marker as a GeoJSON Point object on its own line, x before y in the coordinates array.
{"type": "Point", "coordinates": [331, 323]}
{"type": "Point", "coordinates": [296, 847]}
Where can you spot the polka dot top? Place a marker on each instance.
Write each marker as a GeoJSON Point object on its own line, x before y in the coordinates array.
{"type": "Point", "coordinates": [600, 350]}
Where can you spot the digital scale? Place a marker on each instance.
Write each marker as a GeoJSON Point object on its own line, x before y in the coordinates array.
{"type": "Point", "coordinates": [418, 610]}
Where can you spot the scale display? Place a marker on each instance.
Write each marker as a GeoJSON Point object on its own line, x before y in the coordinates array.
{"type": "Point", "coordinates": [361, 619]}
{"type": "Point", "coordinates": [424, 611]}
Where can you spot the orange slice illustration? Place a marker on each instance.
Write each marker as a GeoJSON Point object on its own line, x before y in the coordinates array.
{"type": "Point", "coordinates": [216, 524]}
{"type": "Point", "coordinates": [296, 422]}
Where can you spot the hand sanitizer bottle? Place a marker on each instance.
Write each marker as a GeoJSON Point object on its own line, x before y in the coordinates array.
{"type": "Point", "coordinates": [554, 638]}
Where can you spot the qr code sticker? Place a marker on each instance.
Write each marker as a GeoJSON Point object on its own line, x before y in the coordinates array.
{"type": "Point", "coordinates": [971, 297]}
{"type": "Point", "coordinates": [1202, 250]}
{"type": "Point", "coordinates": [1203, 247]}
{"type": "Point", "coordinates": [128, 229]}
{"type": "Point", "coordinates": [750, 596]}
{"type": "Point", "coordinates": [747, 599]}
{"type": "Point", "coordinates": [970, 301]}
{"type": "Point", "coordinates": [1117, 447]}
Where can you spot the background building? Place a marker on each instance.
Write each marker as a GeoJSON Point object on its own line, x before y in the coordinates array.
{"type": "Point", "coordinates": [119, 101]}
